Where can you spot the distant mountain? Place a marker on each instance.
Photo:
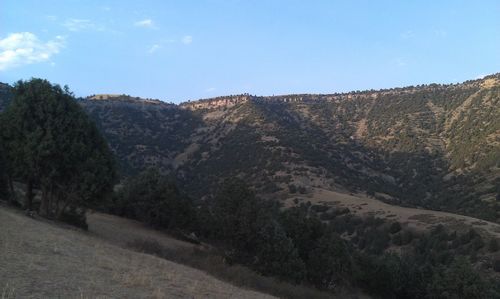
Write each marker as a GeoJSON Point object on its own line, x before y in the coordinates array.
{"type": "Point", "coordinates": [433, 146]}
{"type": "Point", "coordinates": [142, 132]}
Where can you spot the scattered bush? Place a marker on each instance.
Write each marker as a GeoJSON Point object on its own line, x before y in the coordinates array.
{"type": "Point", "coordinates": [154, 199]}
{"type": "Point", "coordinates": [493, 245]}
{"type": "Point", "coordinates": [395, 227]}
{"type": "Point", "coordinates": [215, 264]}
{"type": "Point", "coordinates": [74, 216]}
{"type": "Point", "coordinates": [496, 265]}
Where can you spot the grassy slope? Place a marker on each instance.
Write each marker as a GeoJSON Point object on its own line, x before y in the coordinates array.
{"type": "Point", "coordinates": [419, 219]}
{"type": "Point", "coordinates": [41, 259]}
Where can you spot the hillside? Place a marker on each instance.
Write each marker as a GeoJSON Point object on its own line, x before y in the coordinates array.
{"type": "Point", "coordinates": [142, 133]}
{"type": "Point", "coordinates": [433, 146]}
{"type": "Point", "coordinates": [48, 260]}
{"type": "Point", "coordinates": [430, 146]}
{"type": "Point", "coordinates": [363, 175]}
{"type": "Point", "coordinates": [420, 220]}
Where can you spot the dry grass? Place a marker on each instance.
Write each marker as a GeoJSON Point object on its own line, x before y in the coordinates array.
{"type": "Point", "coordinates": [137, 236]}
{"type": "Point", "coordinates": [122, 231]}
{"type": "Point", "coordinates": [40, 259]}
{"type": "Point", "coordinates": [211, 262]}
{"type": "Point", "coordinates": [7, 292]}
{"type": "Point", "coordinates": [420, 219]}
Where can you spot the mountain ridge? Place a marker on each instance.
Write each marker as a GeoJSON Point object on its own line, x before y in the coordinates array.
{"type": "Point", "coordinates": [487, 81]}
{"type": "Point", "coordinates": [434, 146]}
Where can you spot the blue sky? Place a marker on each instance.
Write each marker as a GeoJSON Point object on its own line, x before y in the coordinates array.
{"type": "Point", "coordinates": [186, 50]}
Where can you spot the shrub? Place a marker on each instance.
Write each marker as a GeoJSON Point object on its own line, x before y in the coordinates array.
{"type": "Point", "coordinates": [319, 208]}
{"type": "Point", "coordinates": [395, 227]}
{"type": "Point", "coordinates": [496, 265]}
{"type": "Point", "coordinates": [74, 216]}
{"type": "Point", "coordinates": [277, 255]}
{"type": "Point", "coordinates": [329, 263]}
{"type": "Point", "coordinates": [493, 245]}
{"type": "Point", "coordinates": [397, 239]}
{"type": "Point", "coordinates": [458, 281]}
{"type": "Point", "coordinates": [154, 199]}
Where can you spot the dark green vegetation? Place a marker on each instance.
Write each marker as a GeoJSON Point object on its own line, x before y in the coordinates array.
{"type": "Point", "coordinates": [224, 164]}
{"type": "Point", "coordinates": [48, 143]}
{"type": "Point", "coordinates": [295, 246]}
{"type": "Point", "coordinates": [142, 133]}
{"type": "Point", "coordinates": [5, 96]}
{"type": "Point", "coordinates": [432, 146]}
{"type": "Point", "coordinates": [214, 264]}
{"type": "Point", "coordinates": [154, 199]}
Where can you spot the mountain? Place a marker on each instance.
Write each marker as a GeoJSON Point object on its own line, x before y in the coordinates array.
{"type": "Point", "coordinates": [432, 146]}
{"type": "Point", "coordinates": [142, 132]}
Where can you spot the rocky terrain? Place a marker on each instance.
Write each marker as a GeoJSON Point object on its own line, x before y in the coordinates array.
{"type": "Point", "coordinates": [432, 146]}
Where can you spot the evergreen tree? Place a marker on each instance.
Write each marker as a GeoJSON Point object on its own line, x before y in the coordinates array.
{"type": "Point", "coordinates": [6, 185]}
{"type": "Point", "coordinates": [277, 255]}
{"type": "Point", "coordinates": [154, 199]}
{"type": "Point", "coordinates": [329, 263]}
{"type": "Point", "coordinates": [304, 230]}
{"type": "Point", "coordinates": [3, 170]}
{"type": "Point", "coordinates": [238, 215]}
{"type": "Point", "coordinates": [458, 281]}
{"type": "Point", "coordinates": [54, 146]}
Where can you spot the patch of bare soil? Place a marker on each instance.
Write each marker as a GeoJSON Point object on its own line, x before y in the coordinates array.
{"type": "Point", "coordinates": [361, 128]}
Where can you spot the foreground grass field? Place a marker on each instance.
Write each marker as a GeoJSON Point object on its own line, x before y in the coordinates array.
{"type": "Point", "coordinates": [41, 259]}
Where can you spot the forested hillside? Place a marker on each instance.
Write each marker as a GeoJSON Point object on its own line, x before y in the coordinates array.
{"type": "Point", "coordinates": [288, 186]}
{"type": "Point", "coordinates": [433, 146]}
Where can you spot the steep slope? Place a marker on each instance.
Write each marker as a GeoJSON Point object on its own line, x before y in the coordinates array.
{"type": "Point", "coordinates": [432, 146]}
{"type": "Point", "coordinates": [46, 260]}
{"type": "Point", "coordinates": [142, 133]}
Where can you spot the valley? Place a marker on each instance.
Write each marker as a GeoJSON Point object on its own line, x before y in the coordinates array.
{"type": "Point", "coordinates": [281, 190]}
{"type": "Point", "coordinates": [431, 146]}
{"type": "Point", "coordinates": [250, 149]}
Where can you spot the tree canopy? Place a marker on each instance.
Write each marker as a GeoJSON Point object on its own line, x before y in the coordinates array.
{"type": "Point", "coordinates": [155, 199]}
{"type": "Point", "coordinates": [52, 145]}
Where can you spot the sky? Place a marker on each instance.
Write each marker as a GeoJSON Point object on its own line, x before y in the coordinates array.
{"type": "Point", "coordinates": [186, 50]}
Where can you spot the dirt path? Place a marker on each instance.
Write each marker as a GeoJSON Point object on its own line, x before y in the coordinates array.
{"type": "Point", "coordinates": [417, 218]}
{"type": "Point", "coordinates": [40, 259]}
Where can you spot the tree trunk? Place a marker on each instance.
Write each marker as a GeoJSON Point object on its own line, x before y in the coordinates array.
{"type": "Point", "coordinates": [51, 201]}
{"type": "Point", "coordinates": [61, 211]}
{"type": "Point", "coordinates": [28, 205]}
{"type": "Point", "coordinates": [44, 207]}
{"type": "Point", "coordinates": [58, 200]}
{"type": "Point", "coordinates": [12, 195]}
